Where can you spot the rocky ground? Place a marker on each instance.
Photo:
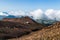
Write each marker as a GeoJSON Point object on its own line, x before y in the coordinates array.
{"type": "Point", "coordinates": [17, 27]}
{"type": "Point", "coordinates": [27, 29]}
{"type": "Point", "coordinates": [51, 32]}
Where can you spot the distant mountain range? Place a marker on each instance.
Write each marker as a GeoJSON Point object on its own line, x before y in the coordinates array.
{"type": "Point", "coordinates": [7, 15]}
{"type": "Point", "coordinates": [10, 16]}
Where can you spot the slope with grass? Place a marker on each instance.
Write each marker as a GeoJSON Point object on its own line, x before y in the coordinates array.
{"type": "Point", "coordinates": [51, 32]}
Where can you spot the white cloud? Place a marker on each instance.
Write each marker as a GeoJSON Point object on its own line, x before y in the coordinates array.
{"type": "Point", "coordinates": [53, 14]}
{"type": "Point", "coordinates": [36, 14]}
{"type": "Point", "coordinates": [50, 14]}
{"type": "Point", "coordinates": [16, 13]}
{"type": "Point", "coordinates": [3, 14]}
{"type": "Point", "coordinates": [57, 15]}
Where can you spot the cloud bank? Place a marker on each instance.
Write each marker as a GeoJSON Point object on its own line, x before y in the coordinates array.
{"type": "Point", "coordinates": [37, 13]}
{"type": "Point", "coordinates": [49, 14]}
{"type": "Point", "coordinates": [53, 14]}
{"type": "Point", "coordinates": [3, 14]}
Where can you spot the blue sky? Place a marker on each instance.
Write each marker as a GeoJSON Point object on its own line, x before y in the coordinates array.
{"type": "Point", "coordinates": [50, 8]}
{"type": "Point", "coordinates": [29, 4]}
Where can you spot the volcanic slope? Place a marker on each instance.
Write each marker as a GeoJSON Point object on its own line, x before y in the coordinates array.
{"type": "Point", "coordinates": [16, 27]}
{"type": "Point", "coordinates": [51, 32]}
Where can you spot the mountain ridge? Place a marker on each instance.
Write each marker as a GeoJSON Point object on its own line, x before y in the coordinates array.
{"type": "Point", "coordinates": [10, 28]}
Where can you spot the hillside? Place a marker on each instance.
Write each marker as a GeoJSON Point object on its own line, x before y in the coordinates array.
{"type": "Point", "coordinates": [25, 21]}
{"type": "Point", "coordinates": [51, 32]}
{"type": "Point", "coordinates": [16, 27]}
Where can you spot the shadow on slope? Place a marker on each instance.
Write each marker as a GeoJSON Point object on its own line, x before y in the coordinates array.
{"type": "Point", "coordinates": [16, 27]}
{"type": "Point", "coordinates": [51, 32]}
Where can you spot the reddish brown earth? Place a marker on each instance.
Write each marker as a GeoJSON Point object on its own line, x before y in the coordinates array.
{"type": "Point", "coordinates": [17, 27]}
{"type": "Point", "coordinates": [51, 32]}
{"type": "Point", "coordinates": [27, 29]}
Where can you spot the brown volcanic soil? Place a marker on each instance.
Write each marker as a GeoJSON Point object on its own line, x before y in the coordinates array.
{"type": "Point", "coordinates": [25, 21]}
{"type": "Point", "coordinates": [22, 20]}
{"type": "Point", "coordinates": [49, 33]}
{"type": "Point", "coordinates": [12, 28]}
